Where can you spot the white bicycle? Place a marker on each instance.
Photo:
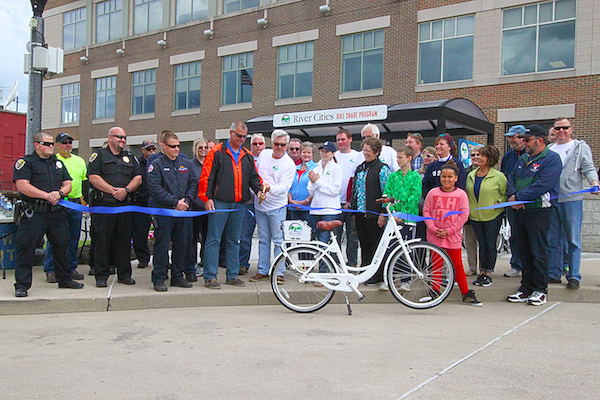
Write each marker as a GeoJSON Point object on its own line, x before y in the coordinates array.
{"type": "Point", "coordinates": [305, 276]}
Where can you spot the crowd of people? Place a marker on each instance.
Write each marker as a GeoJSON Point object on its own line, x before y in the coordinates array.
{"type": "Point", "coordinates": [261, 187]}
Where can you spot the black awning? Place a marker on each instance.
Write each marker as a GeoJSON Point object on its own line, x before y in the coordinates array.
{"type": "Point", "coordinates": [458, 117]}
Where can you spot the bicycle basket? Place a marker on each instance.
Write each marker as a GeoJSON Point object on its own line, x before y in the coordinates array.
{"type": "Point", "coordinates": [296, 230]}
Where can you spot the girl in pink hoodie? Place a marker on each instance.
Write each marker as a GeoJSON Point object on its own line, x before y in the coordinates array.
{"type": "Point", "coordinates": [446, 231]}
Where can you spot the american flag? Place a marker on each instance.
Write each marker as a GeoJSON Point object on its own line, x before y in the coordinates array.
{"type": "Point", "coordinates": [246, 78]}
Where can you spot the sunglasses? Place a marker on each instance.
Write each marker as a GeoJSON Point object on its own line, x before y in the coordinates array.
{"type": "Point", "coordinates": [47, 144]}
{"type": "Point", "coordinates": [120, 137]}
{"type": "Point", "coordinates": [294, 149]}
{"type": "Point", "coordinates": [202, 147]}
{"type": "Point", "coordinates": [531, 138]}
{"type": "Point", "coordinates": [558, 128]}
{"type": "Point", "coordinates": [280, 144]}
{"type": "Point", "coordinates": [240, 136]}
{"type": "Point", "coordinates": [173, 146]}
{"type": "Point", "coordinates": [150, 148]}
{"type": "Point", "coordinates": [258, 144]}
{"type": "Point", "coordinates": [67, 142]}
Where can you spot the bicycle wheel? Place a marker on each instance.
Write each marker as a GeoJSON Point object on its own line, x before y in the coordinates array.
{"type": "Point", "coordinates": [297, 296]}
{"type": "Point", "coordinates": [430, 290]}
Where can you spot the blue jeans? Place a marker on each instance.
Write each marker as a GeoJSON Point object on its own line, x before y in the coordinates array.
{"type": "Point", "coordinates": [351, 238]}
{"type": "Point", "coordinates": [269, 229]}
{"type": "Point", "coordinates": [487, 233]}
{"type": "Point", "coordinates": [228, 225]}
{"type": "Point", "coordinates": [246, 236]}
{"type": "Point", "coordinates": [569, 218]}
{"type": "Point", "coordinates": [74, 224]}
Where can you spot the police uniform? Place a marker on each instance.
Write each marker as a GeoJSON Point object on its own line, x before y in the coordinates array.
{"type": "Point", "coordinates": [112, 231]}
{"type": "Point", "coordinates": [39, 218]}
{"type": "Point", "coordinates": [168, 182]}
{"type": "Point", "coordinates": [142, 222]}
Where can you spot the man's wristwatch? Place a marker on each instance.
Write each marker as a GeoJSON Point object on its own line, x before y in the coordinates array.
{"type": "Point", "coordinates": [61, 193]}
{"type": "Point", "coordinates": [127, 190]}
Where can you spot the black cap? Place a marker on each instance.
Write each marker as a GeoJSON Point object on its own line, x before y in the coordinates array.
{"type": "Point", "coordinates": [534, 130]}
{"type": "Point", "coordinates": [61, 137]}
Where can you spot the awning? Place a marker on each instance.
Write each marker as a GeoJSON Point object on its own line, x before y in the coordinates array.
{"type": "Point", "coordinates": [458, 117]}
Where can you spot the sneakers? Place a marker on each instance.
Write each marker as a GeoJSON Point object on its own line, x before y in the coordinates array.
{"type": "Point", "coordinates": [573, 284]}
{"type": "Point", "coordinates": [259, 277]}
{"type": "Point", "coordinates": [20, 292]}
{"type": "Point", "coordinates": [518, 297]}
{"type": "Point", "coordinates": [537, 299]}
{"type": "Point", "coordinates": [383, 287]}
{"type": "Point", "coordinates": [76, 276]}
{"type": "Point", "coordinates": [469, 298]}
{"type": "Point", "coordinates": [212, 284]}
{"type": "Point", "coordinates": [405, 286]}
{"type": "Point", "coordinates": [483, 280]}
{"type": "Point", "coordinates": [51, 277]}
{"type": "Point", "coordinates": [511, 273]}
{"type": "Point", "coordinates": [235, 282]}
{"type": "Point", "coordinates": [243, 270]}
{"type": "Point", "coordinates": [199, 270]}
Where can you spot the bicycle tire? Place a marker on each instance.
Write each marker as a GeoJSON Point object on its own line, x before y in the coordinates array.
{"type": "Point", "coordinates": [293, 294]}
{"type": "Point", "coordinates": [421, 293]}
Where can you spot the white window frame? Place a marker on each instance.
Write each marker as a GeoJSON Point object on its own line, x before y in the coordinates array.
{"type": "Point", "coordinates": [107, 84]}
{"type": "Point", "coordinates": [77, 21]}
{"type": "Point", "coordinates": [179, 6]}
{"type": "Point", "coordinates": [140, 5]}
{"type": "Point", "coordinates": [198, 67]}
{"type": "Point", "coordinates": [362, 55]}
{"type": "Point", "coordinates": [115, 9]}
{"type": "Point", "coordinates": [143, 74]}
{"type": "Point", "coordinates": [238, 84]}
{"type": "Point", "coordinates": [70, 114]}
{"type": "Point", "coordinates": [295, 61]}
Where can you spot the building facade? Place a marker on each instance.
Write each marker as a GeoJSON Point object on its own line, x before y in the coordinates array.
{"type": "Point", "coordinates": [194, 66]}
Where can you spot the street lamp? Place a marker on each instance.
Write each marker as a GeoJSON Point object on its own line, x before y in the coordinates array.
{"type": "Point", "coordinates": [34, 101]}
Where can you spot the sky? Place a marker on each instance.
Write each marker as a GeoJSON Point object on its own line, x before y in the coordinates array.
{"type": "Point", "coordinates": [14, 35]}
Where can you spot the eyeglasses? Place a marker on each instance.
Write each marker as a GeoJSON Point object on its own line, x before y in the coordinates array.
{"type": "Point", "coordinates": [240, 136]}
{"type": "Point", "coordinates": [150, 148]}
{"type": "Point", "coordinates": [173, 146]}
{"type": "Point", "coordinates": [294, 149]}
{"type": "Point", "coordinates": [258, 144]}
{"type": "Point", "coordinates": [279, 144]}
{"type": "Point", "coordinates": [529, 139]}
{"type": "Point", "coordinates": [47, 144]}
{"type": "Point", "coordinates": [67, 142]}
{"type": "Point", "coordinates": [475, 155]}
{"type": "Point", "coordinates": [558, 128]}
{"type": "Point", "coordinates": [202, 147]}
{"type": "Point", "coordinates": [120, 137]}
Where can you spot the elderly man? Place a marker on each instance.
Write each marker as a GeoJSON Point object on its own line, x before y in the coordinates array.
{"type": "Point", "coordinates": [171, 184]}
{"type": "Point", "coordinates": [509, 160]}
{"type": "Point", "coordinates": [577, 162]}
{"type": "Point", "coordinates": [277, 170]}
{"type": "Point", "coordinates": [227, 175]}
{"type": "Point", "coordinates": [114, 173]}
{"type": "Point", "coordinates": [42, 180]}
{"type": "Point", "coordinates": [294, 150]}
{"type": "Point", "coordinates": [534, 179]}
{"type": "Point", "coordinates": [79, 186]}
{"type": "Point", "coordinates": [257, 145]}
{"type": "Point", "coordinates": [415, 142]}
{"type": "Point", "coordinates": [388, 155]}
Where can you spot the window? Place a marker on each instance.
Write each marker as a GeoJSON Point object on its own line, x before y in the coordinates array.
{"type": "Point", "coordinates": [147, 16]}
{"type": "Point", "coordinates": [74, 29]}
{"type": "Point", "coordinates": [362, 61]}
{"type": "Point", "coordinates": [108, 20]}
{"type": "Point", "coordinates": [295, 70]}
{"type": "Point", "coordinates": [446, 50]}
{"type": "Point", "coordinates": [144, 88]}
{"type": "Point", "coordinates": [236, 5]}
{"type": "Point", "coordinates": [187, 85]}
{"type": "Point", "coordinates": [237, 78]}
{"type": "Point", "coordinates": [191, 10]}
{"type": "Point", "coordinates": [105, 97]}
{"type": "Point", "coordinates": [70, 103]}
{"type": "Point", "coordinates": [539, 37]}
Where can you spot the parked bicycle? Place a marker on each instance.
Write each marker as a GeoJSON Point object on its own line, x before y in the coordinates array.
{"type": "Point", "coordinates": [305, 276]}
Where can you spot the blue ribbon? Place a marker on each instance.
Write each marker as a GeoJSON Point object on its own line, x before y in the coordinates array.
{"type": "Point", "coordinates": [165, 212]}
{"type": "Point", "coordinates": [176, 213]}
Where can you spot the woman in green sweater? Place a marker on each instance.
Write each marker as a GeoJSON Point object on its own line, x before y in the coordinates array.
{"type": "Point", "coordinates": [486, 186]}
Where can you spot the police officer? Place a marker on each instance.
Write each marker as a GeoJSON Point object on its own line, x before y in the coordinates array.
{"type": "Point", "coordinates": [114, 173]}
{"type": "Point", "coordinates": [42, 180]}
{"type": "Point", "coordinates": [171, 184]}
{"type": "Point", "coordinates": [142, 222]}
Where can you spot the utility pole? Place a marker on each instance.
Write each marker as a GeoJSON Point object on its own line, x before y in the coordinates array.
{"type": "Point", "coordinates": [34, 106]}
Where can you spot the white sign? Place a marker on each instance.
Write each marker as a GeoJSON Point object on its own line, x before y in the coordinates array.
{"type": "Point", "coordinates": [338, 115]}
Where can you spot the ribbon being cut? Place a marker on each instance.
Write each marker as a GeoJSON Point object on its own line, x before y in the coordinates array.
{"type": "Point", "coordinates": [174, 213]}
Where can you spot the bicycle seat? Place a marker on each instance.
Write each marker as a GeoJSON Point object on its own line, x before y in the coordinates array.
{"type": "Point", "coordinates": [329, 225]}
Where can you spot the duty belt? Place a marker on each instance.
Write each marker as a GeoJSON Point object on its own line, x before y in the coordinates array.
{"type": "Point", "coordinates": [41, 206]}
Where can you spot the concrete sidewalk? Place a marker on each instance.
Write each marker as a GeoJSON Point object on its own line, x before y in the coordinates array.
{"type": "Point", "coordinates": [47, 298]}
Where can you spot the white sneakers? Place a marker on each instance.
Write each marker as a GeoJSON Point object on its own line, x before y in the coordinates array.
{"type": "Point", "coordinates": [511, 273]}
{"type": "Point", "coordinates": [535, 299]}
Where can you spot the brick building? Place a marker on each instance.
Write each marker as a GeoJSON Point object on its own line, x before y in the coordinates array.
{"type": "Point", "coordinates": [194, 66]}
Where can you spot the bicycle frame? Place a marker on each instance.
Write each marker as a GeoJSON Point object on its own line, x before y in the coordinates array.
{"type": "Point", "coordinates": [345, 280]}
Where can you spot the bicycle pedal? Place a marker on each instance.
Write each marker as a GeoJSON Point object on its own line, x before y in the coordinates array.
{"type": "Point", "coordinates": [361, 297]}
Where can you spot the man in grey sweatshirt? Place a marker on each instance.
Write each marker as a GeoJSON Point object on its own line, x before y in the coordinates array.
{"type": "Point", "coordinates": [577, 163]}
